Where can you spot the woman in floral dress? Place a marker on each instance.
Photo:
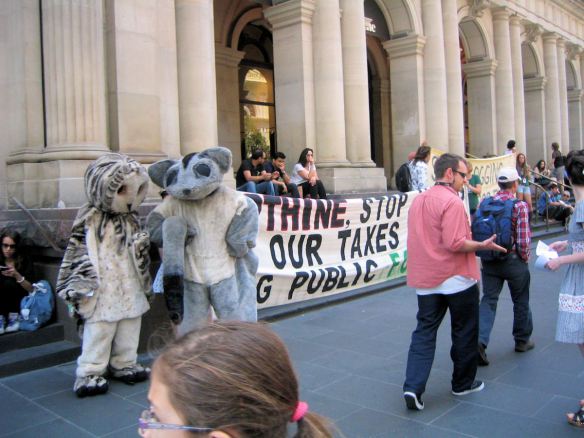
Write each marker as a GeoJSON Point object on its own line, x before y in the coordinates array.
{"type": "Point", "coordinates": [570, 325]}
{"type": "Point", "coordinates": [419, 168]}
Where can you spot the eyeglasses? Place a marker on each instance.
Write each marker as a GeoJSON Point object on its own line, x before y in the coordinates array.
{"type": "Point", "coordinates": [462, 174]}
{"type": "Point", "coordinates": [8, 246]}
{"type": "Point", "coordinates": [148, 421]}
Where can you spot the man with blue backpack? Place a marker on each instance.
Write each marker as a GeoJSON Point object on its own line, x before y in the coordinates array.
{"type": "Point", "coordinates": [508, 218]}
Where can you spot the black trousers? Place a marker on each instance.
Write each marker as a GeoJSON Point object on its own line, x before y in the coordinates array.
{"type": "Point", "coordinates": [464, 321]}
{"type": "Point", "coordinates": [315, 191]}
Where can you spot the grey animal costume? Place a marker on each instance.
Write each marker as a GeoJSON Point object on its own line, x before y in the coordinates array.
{"type": "Point", "coordinates": [208, 231]}
{"type": "Point", "coordinates": [104, 275]}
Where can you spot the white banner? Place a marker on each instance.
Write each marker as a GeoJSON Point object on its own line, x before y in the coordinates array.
{"type": "Point", "coordinates": [315, 248]}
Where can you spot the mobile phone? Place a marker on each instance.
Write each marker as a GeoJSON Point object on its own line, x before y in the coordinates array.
{"type": "Point", "coordinates": [4, 268]}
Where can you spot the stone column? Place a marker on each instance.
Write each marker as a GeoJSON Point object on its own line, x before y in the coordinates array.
{"type": "Point", "coordinates": [229, 133]}
{"type": "Point", "coordinates": [535, 117]}
{"type": "Point", "coordinates": [21, 111]}
{"type": "Point", "coordinates": [435, 95]}
{"type": "Point", "coordinates": [74, 80]}
{"type": "Point", "coordinates": [453, 77]}
{"type": "Point", "coordinates": [294, 78]}
{"type": "Point", "coordinates": [575, 119]}
{"type": "Point", "coordinates": [328, 85]}
{"type": "Point", "coordinates": [552, 92]}
{"type": "Point", "coordinates": [503, 79]}
{"type": "Point", "coordinates": [518, 92]}
{"type": "Point", "coordinates": [196, 74]}
{"type": "Point", "coordinates": [356, 82]}
{"type": "Point", "coordinates": [482, 120]}
{"type": "Point", "coordinates": [407, 92]}
{"type": "Point", "coordinates": [74, 76]}
{"type": "Point", "coordinates": [565, 125]}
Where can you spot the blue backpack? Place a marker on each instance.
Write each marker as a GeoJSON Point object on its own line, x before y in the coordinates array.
{"type": "Point", "coordinates": [36, 309]}
{"type": "Point", "coordinates": [494, 217]}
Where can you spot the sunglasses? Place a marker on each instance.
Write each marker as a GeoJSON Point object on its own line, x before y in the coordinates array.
{"type": "Point", "coordinates": [149, 421]}
{"type": "Point", "coordinates": [8, 246]}
{"type": "Point", "coordinates": [462, 174]}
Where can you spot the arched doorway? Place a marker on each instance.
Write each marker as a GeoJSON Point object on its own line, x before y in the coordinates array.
{"type": "Point", "coordinates": [256, 90]}
{"type": "Point", "coordinates": [478, 73]}
{"type": "Point", "coordinates": [379, 87]}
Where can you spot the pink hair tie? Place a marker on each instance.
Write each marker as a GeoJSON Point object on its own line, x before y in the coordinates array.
{"type": "Point", "coordinates": [300, 411]}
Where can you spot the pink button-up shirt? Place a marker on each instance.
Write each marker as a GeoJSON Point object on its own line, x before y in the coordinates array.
{"type": "Point", "coordinates": [437, 229]}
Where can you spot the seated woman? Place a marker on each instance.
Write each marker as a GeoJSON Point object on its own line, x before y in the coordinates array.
{"type": "Point", "coordinates": [542, 175]}
{"type": "Point", "coordinates": [228, 379]}
{"type": "Point", "coordinates": [305, 177]}
{"type": "Point", "coordinates": [16, 278]}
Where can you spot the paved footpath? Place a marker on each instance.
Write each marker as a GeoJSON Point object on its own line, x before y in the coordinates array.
{"type": "Point", "coordinates": [351, 361]}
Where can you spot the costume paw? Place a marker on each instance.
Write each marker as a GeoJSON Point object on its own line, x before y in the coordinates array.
{"type": "Point", "coordinates": [90, 385]}
{"type": "Point", "coordinates": [130, 375]}
{"type": "Point", "coordinates": [173, 295]}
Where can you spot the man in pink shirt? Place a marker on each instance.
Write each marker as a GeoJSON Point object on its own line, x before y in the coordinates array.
{"type": "Point", "coordinates": [442, 268]}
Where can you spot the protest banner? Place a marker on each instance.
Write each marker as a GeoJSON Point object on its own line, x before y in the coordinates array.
{"type": "Point", "coordinates": [314, 248]}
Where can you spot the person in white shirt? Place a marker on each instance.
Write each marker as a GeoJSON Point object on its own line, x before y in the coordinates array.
{"type": "Point", "coordinates": [304, 175]}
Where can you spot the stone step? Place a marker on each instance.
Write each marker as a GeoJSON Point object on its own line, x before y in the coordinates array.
{"type": "Point", "coordinates": [21, 339]}
{"type": "Point", "coordinates": [41, 356]}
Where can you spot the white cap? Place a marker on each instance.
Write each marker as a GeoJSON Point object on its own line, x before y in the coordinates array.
{"type": "Point", "coordinates": [507, 174]}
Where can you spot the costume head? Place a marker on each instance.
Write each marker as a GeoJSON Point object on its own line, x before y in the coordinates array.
{"type": "Point", "coordinates": [194, 177]}
{"type": "Point", "coordinates": [116, 183]}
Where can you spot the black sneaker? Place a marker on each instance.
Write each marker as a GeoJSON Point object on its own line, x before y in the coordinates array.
{"type": "Point", "coordinates": [483, 361]}
{"type": "Point", "coordinates": [522, 347]}
{"type": "Point", "coordinates": [476, 386]}
{"type": "Point", "coordinates": [413, 401]}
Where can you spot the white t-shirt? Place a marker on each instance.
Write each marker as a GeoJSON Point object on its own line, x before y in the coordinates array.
{"type": "Point", "coordinates": [295, 178]}
{"type": "Point", "coordinates": [452, 285]}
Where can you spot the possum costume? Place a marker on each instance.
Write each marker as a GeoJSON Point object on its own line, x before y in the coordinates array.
{"type": "Point", "coordinates": [104, 276]}
{"type": "Point", "coordinates": [207, 231]}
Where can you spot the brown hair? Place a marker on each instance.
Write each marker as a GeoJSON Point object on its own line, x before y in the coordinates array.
{"type": "Point", "coordinates": [235, 376]}
{"type": "Point", "coordinates": [422, 153]}
{"type": "Point", "coordinates": [18, 255]}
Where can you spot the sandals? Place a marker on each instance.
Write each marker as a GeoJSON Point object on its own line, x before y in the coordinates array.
{"type": "Point", "coordinates": [577, 418]}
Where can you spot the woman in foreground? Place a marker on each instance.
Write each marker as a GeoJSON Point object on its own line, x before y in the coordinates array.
{"type": "Point", "coordinates": [228, 380]}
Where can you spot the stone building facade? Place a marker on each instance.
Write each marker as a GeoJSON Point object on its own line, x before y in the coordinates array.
{"type": "Point", "coordinates": [362, 82]}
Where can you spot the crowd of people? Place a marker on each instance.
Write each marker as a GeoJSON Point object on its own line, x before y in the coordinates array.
{"type": "Point", "coordinates": [442, 267]}
{"type": "Point", "coordinates": [257, 175]}
{"type": "Point", "coordinates": [235, 379]}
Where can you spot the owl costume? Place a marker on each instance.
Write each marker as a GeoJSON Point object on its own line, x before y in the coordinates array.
{"type": "Point", "coordinates": [104, 275]}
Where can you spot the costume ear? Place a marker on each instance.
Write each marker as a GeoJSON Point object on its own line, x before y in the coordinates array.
{"type": "Point", "coordinates": [221, 155]}
{"type": "Point", "coordinates": [158, 170]}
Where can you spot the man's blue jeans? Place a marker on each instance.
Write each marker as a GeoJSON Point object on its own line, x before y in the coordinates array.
{"type": "Point", "coordinates": [464, 317]}
{"type": "Point", "coordinates": [265, 188]}
{"type": "Point", "coordinates": [516, 272]}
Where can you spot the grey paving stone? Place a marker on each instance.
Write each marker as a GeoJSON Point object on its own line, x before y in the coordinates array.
{"type": "Point", "coordinates": [508, 398]}
{"type": "Point", "coordinates": [367, 423]}
{"type": "Point", "coordinates": [312, 376]}
{"type": "Point", "coordinates": [89, 413]}
{"type": "Point", "coordinates": [550, 382]}
{"type": "Point", "coordinates": [555, 410]}
{"type": "Point", "coordinates": [487, 422]}
{"type": "Point", "coordinates": [307, 351]}
{"type": "Point", "coordinates": [126, 391]}
{"type": "Point", "coordinates": [127, 432]}
{"type": "Point", "coordinates": [329, 407]}
{"type": "Point", "coordinates": [388, 398]}
{"type": "Point", "coordinates": [58, 428]}
{"type": "Point", "coordinates": [359, 344]}
{"type": "Point", "coordinates": [140, 398]}
{"type": "Point", "coordinates": [19, 413]}
{"type": "Point", "coordinates": [39, 383]}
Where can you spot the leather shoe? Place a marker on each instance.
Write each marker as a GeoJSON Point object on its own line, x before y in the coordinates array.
{"type": "Point", "coordinates": [483, 361]}
{"type": "Point", "coordinates": [522, 347]}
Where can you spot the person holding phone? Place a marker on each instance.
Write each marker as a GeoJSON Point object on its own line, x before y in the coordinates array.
{"type": "Point", "coordinates": [16, 278]}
